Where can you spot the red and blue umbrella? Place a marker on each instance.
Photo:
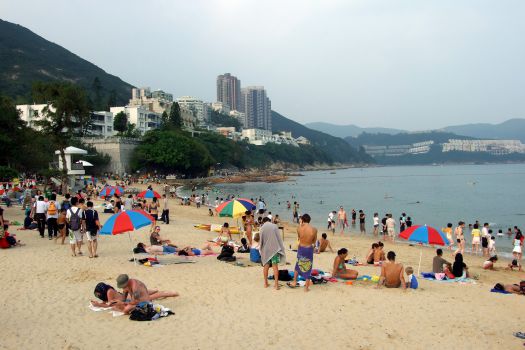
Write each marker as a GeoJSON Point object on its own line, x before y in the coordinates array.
{"type": "Point", "coordinates": [126, 221]}
{"type": "Point", "coordinates": [148, 194]}
{"type": "Point", "coordinates": [110, 191]}
{"type": "Point", "coordinates": [425, 234]}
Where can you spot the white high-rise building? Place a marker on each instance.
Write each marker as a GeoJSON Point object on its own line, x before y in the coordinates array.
{"type": "Point", "coordinates": [198, 107]}
{"type": "Point", "coordinates": [257, 108]}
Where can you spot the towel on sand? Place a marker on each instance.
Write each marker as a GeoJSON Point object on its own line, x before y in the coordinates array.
{"type": "Point", "coordinates": [271, 243]}
{"type": "Point", "coordinates": [499, 291]}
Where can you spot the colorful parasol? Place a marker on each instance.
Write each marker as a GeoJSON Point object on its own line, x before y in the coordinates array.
{"type": "Point", "coordinates": [148, 194]}
{"type": "Point", "coordinates": [235, 207]}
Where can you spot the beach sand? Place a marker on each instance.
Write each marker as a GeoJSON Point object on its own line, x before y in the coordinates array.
{"type": "Point", "coordinates": [45, 296]}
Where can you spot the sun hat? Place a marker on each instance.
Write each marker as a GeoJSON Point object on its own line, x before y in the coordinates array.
{"type": "Point", "coordinates": [122, 280]}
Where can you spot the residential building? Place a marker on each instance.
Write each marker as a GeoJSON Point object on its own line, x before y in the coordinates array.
{"type": "Point", "coordinates": [495, 147]}
{"type": "Point", "coordinates": [302, 140]}
{"type": "Point", "coordinates": [229, 91]}
{"type": "Point", "coordinates": [101, 122]}
{"type": "Point", "coordinates": [257, 107]}
{"type": "Point", "coordinates": [229, 132]}
{"type": "Point", "coordinates": [241, 117]}
{"type": "Point", "coordinates": [143, 118]}
{"type": "Point", "coordinates": [157, 101]}
{"type": "Point", "coordinates": [220, 107]}
{"type": "Point", "coordinates": [199, 108]}
{"type": "Point", "coordinates": [256, 136]}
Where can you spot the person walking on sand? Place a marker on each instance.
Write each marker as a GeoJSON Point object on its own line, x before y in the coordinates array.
{"type": "Point", "coordinates": [92, 228]}
{"type": "Point", "coordinates": [272, 250]}
{"type": "Point", "coordinates": [341, 219]}
{"type": "Point", "coordinates": [76, 221]}
{"type": "Point", "coordinates": [307, 235]}
{"type": "Point", "coordinates": [165, 216]}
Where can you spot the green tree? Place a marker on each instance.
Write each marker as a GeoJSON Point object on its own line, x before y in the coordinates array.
{"type": "Point", "coordinates": [112, 99]}
{"type": "Point", "coordinates": [12, 131]}
{"type": "Point", "coordinates": [175, 118]}
{"type": "Point", "coordinates": [220, 119]}
{"type": "Point", "coordinates": [96, 88]}
{"type": "Point", "coordinates": [172, 151]}
{"type": "Point", "coordinates": [132, 131]}
{"type": "Point", "coordinates": [164, 120]}
{"type": "Point", "coordinates": [66, 115]}
{"type": "Point", "coordinates": [120, 122]}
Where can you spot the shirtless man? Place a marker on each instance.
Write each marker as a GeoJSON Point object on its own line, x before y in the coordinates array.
{"type": "Point", "coordinates": [323, 244]}
{"type": "Point", "coordinates": [392, 275]}
{"type": "Point", "coordinates": [137, 292]}
{"type": "Point", "coordinates": [341, 219]}
{"type": "Point", "coordinates": [307, 236]}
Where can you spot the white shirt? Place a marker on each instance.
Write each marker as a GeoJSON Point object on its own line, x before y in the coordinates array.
{"type": "Point", "coordinates": [376, 221]}
{"type": "Point", "coordinates": [40, 207]}
{"type": "Point", "coordinates": [331, 216]}
{"type": "Point", "coordinates": [485, 232]}
{"type": "Point", "coordinates": [269, 216]}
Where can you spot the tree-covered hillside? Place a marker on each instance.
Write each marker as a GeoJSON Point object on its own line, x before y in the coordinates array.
{"type": "Point", "coordinates": [25, 57]}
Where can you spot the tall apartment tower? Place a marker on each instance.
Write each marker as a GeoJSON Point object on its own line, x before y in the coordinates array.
{"type": "Point", "coordinates": [257, 108]}
{"type": "Point", "coordinates": [229, 91]}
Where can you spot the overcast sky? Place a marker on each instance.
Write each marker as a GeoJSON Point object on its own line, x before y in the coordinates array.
{"type": "Point", "coordinates": [404, 64]}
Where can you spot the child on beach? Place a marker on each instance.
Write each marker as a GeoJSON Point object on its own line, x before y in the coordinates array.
{"type": "Point", "coordinates": [411, 279]}
{"type": "Point", "coordinates": [476, 239]}
{"type": "Point", "coordinates": [376, 224]}
{"type": "Point", "coordinates": [515, 264]}
{"type": "Point", "coordinates": [492, 246]}
{"type": "Point", "coordinates": [448, 231]}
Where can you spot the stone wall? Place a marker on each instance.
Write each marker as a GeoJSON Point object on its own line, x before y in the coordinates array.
{"type": "Point", "coordinates": [119, 149]}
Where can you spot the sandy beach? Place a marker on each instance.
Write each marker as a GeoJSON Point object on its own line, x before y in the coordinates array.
{"type": "Point", "coordinates": [46, 293]}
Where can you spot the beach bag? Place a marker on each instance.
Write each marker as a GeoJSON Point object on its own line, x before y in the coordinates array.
{"type": "Point", "coordinates": [52, 209]}
{"type": "Point", "coordinates": [144, 311]}
{"type": "Point", "coordinates": [449, 274]}
{"type": "Point", "coordinates": [226, 252]}
{"type": "Point", "coordinates": [4, 244]}
{"type": "Point", "coordinates": [284, 275]}
{"type": "Point", "coordinates": [74, 220]}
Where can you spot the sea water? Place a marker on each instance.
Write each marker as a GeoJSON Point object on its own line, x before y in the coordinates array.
{"type": "Point", "coordinates": [431, 195]}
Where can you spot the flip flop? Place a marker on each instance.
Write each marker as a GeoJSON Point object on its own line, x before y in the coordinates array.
{"type": "Point", "coordinates": [520, 335]}
{"type": "Point", "coordinates": [290, 285]}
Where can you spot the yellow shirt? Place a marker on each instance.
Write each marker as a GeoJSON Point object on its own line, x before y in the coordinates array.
{"type": "Point", "coordinates": [476, 233]}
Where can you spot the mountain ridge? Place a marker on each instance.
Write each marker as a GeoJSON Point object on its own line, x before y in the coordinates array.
{"type": "Point", "coordinates": [26, 57]}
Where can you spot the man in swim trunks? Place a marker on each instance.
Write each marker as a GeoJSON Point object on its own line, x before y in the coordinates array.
{"type": "Point", "coordinates": [272, 250]}
{"type": "Point", "coordinates": [392, 275]}
{"type": "Point", "coordinates": [322, 244]}
{"type": "Point", "coordinates": [391, 227]}
{"type": "Point", "coordinates": [341, 219]}
{"type": "Point", "coordinates": [307, 236]}
{"type": "Point", "coordinates": [135, 291]}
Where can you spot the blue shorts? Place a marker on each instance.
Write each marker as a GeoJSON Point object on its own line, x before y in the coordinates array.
{"type": "Point", "coordinates": [168, 249]}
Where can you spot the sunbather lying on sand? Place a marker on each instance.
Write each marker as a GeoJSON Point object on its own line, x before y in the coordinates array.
{"type": "Point", "coordinates": [154, 249]}
{"type": "Point", "coordinates": [132, 288]}
{"type": "Point", "coordinates": [512, 288]}
{"type": "Point", "coordinates": [192, 251]}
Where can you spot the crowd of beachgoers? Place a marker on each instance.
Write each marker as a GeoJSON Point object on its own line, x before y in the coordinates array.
{"type": "Point", "coordinates": [76, 218]}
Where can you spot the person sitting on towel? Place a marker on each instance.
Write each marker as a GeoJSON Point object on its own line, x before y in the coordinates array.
{"type": "Point", "coordinates": [340, 270]}
{"type": "Point", "coordinates": [156, 239]}
{"type": "Point", "coordinates": [244, 248]}
{"type": "Point", "coordinates": [192, 251]}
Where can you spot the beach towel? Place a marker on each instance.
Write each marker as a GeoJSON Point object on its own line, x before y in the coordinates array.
{"type": "Point", "coordinates": [499, 291]}
{"type": "Point", "coordinates": [305, 260]}
{"type": "Point", "coordinates": [98, 309]}
{"type": "Point", "coordinates": [271, 243]}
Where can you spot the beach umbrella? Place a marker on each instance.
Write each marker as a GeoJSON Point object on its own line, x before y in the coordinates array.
{"type": "Point", "coordinates": [110, 191]}
{"type": "Point", "coordinates": [235, 208]}
{"type": "Point", "coordinates": [424, 234]}
{"type": "Point", "coordinates": [126, 221]}
{"type": "Point", "coordinates": [148, 194]}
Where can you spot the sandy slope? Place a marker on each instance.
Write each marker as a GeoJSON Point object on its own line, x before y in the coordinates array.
{"type": "Point", "coordinates": [45, 293]}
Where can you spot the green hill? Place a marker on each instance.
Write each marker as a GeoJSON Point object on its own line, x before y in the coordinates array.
{"type": "Point", "coordinates": [26, 57]}
{"type": "Point", "coordinates": [339, 150]}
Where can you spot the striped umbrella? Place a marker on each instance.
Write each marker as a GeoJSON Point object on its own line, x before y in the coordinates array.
{"type": "Point", "coordinates": [110, 191]}
{"type": "Point", "coordinates": [126, 221]}
{"type": "Point", "coordinates": [425, 235]}
{"type": "Point", "coordinates": [148, 194]}
{"type": "Point", "coordinates": [235, 207]}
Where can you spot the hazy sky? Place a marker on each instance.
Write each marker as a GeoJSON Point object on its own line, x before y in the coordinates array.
{"type": "Point", "coordinates": [406, 64]}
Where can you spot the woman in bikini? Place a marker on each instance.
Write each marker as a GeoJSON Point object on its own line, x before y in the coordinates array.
{"type": "Point", "coordinates": [459, 235]}
{"type": "Point", "coordinates": [62, 225]}
{"type": "Point", "coordinates": [340, 270]}
{"type": "Point", "coordinates": [154, 211]}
